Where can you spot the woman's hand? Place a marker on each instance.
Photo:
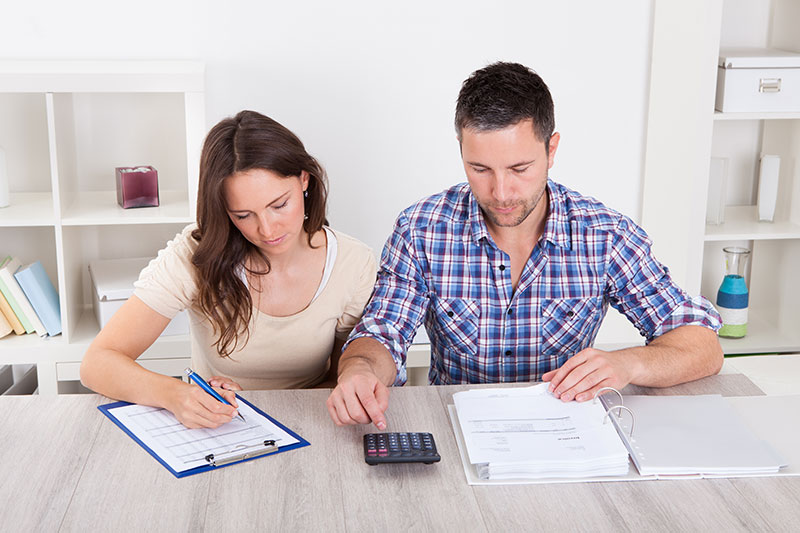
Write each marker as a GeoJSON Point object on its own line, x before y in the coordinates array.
{"type": "Point", "coordinates": [195, 408]}
{"type": "Point", "coordinates": [221, 382]}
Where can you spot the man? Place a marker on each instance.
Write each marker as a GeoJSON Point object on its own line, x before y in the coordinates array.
{"type": "Point", "coordinates": [513, 273]}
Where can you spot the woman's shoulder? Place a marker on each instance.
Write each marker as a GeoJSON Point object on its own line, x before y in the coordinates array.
{"type": "Point", "coordinates": [350, 246]}
{"type": "Point", "coordinates": [184, 244]}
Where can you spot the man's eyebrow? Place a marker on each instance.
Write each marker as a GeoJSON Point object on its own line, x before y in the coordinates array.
{"type": "Point", "coordinates": [523, 163]}
{"type": "Point", "coordinates": [278, 199]}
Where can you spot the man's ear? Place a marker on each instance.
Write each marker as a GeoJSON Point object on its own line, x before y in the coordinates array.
{"type": "Point", "coordinates": [551, 156]}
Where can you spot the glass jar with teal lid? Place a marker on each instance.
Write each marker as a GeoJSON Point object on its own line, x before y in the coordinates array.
{"type": "Point", "coordinates": [733, 297]}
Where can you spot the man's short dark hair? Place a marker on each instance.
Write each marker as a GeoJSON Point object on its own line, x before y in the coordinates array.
{"type": "Point", "coordinates": [501, 95]}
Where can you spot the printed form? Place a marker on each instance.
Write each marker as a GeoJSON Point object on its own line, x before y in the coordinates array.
{"type": "Point", "coordinates": [527, 431]}
{"type": "Point", "coordinates": [183, 449]}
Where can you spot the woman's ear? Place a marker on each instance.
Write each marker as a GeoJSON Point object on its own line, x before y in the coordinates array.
{"type": "Point", "coordinates": [304, 178]}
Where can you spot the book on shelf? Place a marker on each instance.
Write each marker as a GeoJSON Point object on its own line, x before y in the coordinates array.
{"type": "Point", "coordinates": [5, 327]}
{"type": "Point", "coordinates": [17, 299]}
{"type": "Point", "coordinates": [41, 294]}
{"type": "Point", "coordinates": [9, 315]}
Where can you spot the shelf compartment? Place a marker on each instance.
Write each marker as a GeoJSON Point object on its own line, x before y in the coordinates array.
{"type": "Point", "coordinates": [741, 223]}
{"type": "Point", "coordinates": [83, 244]}
{"type": "Point", "coordinates": [763, 336]}
{"type": "Point", "coordinates": [101, 208]}
{"type": "Point", "coordinates": [97, 132]}
{"type": "Point", "coordinates": [28, 209]}
{"type": "Point", "coordinates": [24, 138]}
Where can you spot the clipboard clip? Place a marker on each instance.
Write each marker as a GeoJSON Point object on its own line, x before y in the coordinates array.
{"type": "Point", "coordinates": [241, 452]}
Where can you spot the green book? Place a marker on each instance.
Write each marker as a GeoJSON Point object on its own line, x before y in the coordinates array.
{"type": "Point", "coordinates": [12, 301]}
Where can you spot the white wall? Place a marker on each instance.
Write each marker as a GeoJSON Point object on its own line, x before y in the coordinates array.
{"type": "Point", "coordinates": [371, 87]}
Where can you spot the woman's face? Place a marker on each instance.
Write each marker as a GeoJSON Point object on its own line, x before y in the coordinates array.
{"type": "Point", "coordinates": [267, 208]}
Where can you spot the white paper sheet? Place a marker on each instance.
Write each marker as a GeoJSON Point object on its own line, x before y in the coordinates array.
{"type": "Point", "coordinates": [183, 449]}
{"type": "Point", "coordinates": [527, 432]}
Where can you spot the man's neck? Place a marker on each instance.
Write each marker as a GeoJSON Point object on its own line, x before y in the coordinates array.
{"type": "Point", "coordinates": [518, 241]}
{"type": "Point", "coordinates": [524, 235]}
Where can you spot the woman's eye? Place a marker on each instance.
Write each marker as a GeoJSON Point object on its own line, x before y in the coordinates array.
{"type": "Point", "coordinates": [241, 217]}
{"type": "Point", "coordinates": [282, 205]}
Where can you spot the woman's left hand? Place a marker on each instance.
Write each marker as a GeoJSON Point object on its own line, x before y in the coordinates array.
{"type": "Point", "coordinates": [224, 383]}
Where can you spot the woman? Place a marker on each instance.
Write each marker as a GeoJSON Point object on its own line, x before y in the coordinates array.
{"type": "Point", "coordinates": [271, 291]}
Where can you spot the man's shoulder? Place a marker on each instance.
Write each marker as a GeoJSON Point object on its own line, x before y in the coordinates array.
{"type": "Point", "coordinates": [587, 211]}
{"type": "Point", "coordinates": [449, 206]}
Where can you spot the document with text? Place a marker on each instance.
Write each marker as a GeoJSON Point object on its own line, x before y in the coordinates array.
{"type": "Point", "coordinates": [528, 433]}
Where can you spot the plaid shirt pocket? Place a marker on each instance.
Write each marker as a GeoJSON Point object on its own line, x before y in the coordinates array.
{"type": "Point", "coordinates": [458, 323]}
{"type": "Point", "coordinates": [567, 325]}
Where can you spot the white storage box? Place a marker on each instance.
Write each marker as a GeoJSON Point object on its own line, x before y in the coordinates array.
{"type": "Point", "coordinates": [758, 80]}
{"type": "Point", "coordinates": [112, 283]}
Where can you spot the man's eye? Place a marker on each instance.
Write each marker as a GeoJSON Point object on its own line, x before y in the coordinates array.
{"type": "Point", "coordinates": [479, 170]}
{"type": "Point", "coordinates": [520, 170]}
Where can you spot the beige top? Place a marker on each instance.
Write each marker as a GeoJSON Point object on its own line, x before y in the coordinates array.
{"type": "Point", "coordinates": [282, 352]}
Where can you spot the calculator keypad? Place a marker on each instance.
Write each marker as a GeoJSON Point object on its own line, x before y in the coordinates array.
{"type": "Point", "coordinates": [400, 448]}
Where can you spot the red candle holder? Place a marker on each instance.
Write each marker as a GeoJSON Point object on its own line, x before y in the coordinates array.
{"type": "Point", "coordinates": [137, 186]}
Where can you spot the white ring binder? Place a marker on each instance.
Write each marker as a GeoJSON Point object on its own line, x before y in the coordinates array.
{"type": "Point", "coordinates": [241, 453]}
{"type": "Point", "coordinates": [612, 407]}
{"type": "Point", "coordinates": [607, 389]}
{"type": "Point", "coordinates": [608, 414]}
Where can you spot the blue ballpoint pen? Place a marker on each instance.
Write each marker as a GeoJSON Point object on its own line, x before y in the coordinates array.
{"type": "Point", "coordinates": [206, 387]}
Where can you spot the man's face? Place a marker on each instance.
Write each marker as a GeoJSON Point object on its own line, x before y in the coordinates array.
{"type": "Point", "coordinates": [507, 172]}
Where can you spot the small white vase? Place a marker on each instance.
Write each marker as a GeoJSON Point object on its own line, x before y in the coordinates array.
{"type": "Point", "coordinates": [768, 187]}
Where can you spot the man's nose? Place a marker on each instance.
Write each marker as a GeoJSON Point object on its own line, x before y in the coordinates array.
{"type": "Point", "coordinates": [502, 187]}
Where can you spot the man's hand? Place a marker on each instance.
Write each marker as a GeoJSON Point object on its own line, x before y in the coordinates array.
{"type": "Point", "coordinates": [361, 395]}
{"type": "Point", "coordinates": [582, 375]}
{"type": "Point", "coordinates": [359, 398]}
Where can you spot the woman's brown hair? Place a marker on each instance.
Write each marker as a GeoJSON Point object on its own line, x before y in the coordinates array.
{"type": "Point", "coordinates": [247, 141]}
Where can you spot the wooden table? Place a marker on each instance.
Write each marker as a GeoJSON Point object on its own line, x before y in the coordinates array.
{"type": "Point", "coordinates": [67, 467]}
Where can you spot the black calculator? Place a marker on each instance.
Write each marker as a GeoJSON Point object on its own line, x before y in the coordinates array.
{"type": "Point", "coordinates": [380, 448]}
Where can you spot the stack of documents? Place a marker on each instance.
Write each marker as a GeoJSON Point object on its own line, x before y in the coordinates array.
{"type": "Point", "coordinates": [518, 433]}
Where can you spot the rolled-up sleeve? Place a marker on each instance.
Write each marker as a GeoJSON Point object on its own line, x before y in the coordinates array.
{"type": "Point", "coordinates": [399, 301]}
{"type": "Point", "coordinates": [641, 288]}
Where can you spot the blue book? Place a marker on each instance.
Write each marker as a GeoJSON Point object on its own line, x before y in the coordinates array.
{"type": "Point", "coordinates": [42, 295]}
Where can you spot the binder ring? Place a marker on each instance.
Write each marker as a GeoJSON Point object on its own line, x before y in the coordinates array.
{"type": "Point", "coordinates": [607, 389]}
{"type": "Point", "coordinates": [620, 407]}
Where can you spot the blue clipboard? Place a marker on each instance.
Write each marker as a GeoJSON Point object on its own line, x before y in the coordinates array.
{"type": "Point", "coordinates": [108, 408]}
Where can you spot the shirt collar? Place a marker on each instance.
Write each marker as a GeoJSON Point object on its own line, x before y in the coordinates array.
{"type": "Point", "coordinates": [556, 228]}
{"type": "Point", "coordinates": [477, 224]}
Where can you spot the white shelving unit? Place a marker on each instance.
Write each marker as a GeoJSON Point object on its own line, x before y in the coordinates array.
{"type": "Point", "coordinates": [65, 127]}
{"type": "Point", "coordinates": [741, 138]}
{"type": "Point", "coordinates": [684, 133]}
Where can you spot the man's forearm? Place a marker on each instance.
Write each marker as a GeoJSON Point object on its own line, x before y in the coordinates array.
{"type": "Point", "coordinates": [366, 354]}
{"type": "Point", "coordinates": [683, 354]}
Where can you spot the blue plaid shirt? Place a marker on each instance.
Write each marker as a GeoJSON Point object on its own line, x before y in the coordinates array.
{"type": "Point", "coordinates": [442, 266]}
